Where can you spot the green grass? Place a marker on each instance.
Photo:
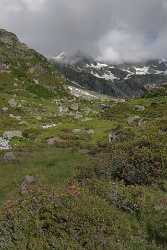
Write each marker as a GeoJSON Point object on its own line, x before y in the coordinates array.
{"type": "Point", "coordinates": [50, 165]}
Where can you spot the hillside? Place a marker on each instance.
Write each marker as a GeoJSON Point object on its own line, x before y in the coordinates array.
{"type": "Point", "coordinates": [122, 80]}
{"type": "Point", "coordinates": [81, 171]}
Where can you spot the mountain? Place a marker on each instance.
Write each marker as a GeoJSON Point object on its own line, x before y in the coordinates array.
{"type": "Point", "coordinates": [79, 170]}
{"type": "Point", "coordinates": [22, 64]}
{"type": "Point", "coordinates": [124, 80]}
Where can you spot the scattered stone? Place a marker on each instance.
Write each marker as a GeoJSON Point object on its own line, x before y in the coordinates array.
{"type": "Point", "coordinates": [116, 135]}
{"type": "Point", "coordinates": [36, 81]}
{"type": "Point", "coordinates": [134, 120]}
{"type": "Point", "coordinates": [139, 108]}
{"type": "Point", "coordinates": [39, 118]}
{"type": "Point", "coordinates": [74, 106]}
{"type": "Point", "coordinates": [11, 134]}
{"type": "Point", "coordinates": [26, 183]}
{"type": "Point", "coordinates": [15, 117]}
{"type": "Point", "coordinates": [63, 110]}
{"type": "Point", "coordinates": [141, 122]}
{"type": "Point", "coordinates": [4, 144]}
{"type": "Point", "coordinates": [78, 116]}
{"type": "Point", "coordinates": [48, 126]}
{"type": "Point", "coordinates": [9, 156]}
{"type": "Point", "coordinates": [86, 119]}
{"type": "Point", "coordinates": [90, 131]}
{"type": "Point", "coordinates": [15, 85]}
{"type": "Point", "coordinates": [4, 67]}
{"type": "Point", "coordinates": [19, 105]}
{"type": "Point", "coordinates": [4, 109]}
{"type": "Point", "coordinates": [23, 123]}
{"type": "Point", "coordinates": [77, 131]}
{"type": "Point", "coordinates": [55, 140]}
{"type": "Point", "coordinates": [12, 103]}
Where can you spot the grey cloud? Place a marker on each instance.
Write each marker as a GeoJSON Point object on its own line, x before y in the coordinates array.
{"type": "Point", "coordinates": [114, 30]}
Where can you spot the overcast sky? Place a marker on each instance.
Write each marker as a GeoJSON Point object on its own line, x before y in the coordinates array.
{"type": "Point", "coordinates": [116, 30]}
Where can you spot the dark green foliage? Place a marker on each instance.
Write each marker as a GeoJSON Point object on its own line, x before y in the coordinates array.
{"type": "Point", "coordinates": [47, 220]}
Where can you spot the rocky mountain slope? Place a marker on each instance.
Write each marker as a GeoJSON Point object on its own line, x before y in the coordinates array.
{"type": "Point", "coordinates": [78, 173]}
{"type": "Point", "coordinates": [124, 80]}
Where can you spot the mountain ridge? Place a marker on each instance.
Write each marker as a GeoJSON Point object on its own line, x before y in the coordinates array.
{"type": "Point", "coordinates": [116, 80]}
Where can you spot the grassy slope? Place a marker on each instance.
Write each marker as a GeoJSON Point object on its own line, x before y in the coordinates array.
{"type": "Point", "coordinates": [88, 194]}
{"type": "Point", "coordinates": [103, 196]}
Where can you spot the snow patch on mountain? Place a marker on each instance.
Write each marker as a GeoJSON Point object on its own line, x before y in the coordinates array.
{"type": "Point", "coordinates": [77, 92]}
{"type": "Point", "coordinates": [107, 76]}
{"type": "Point", "coordinates": [97, 66]}
{"type": "Point", "coordinates": [142, 71]}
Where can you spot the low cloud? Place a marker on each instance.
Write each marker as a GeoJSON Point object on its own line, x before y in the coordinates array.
{"type": "Point", "coordinates": [114, 30]}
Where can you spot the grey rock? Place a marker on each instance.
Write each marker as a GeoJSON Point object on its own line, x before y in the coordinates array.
{"type": "Point", "coordinates": [139, 108]}
{"type": "Point", "coordinates": [12, 103]}
{"type": "Point", "coordinates": [39, 118]}
{"type": "Point", "coordinates": [74, 106]}
{"type": "Point", "coordinates": [11, 134]}
{"type": "Point", "coordinates": [28, 180]}
{"type": "Point", "coordinates": [9, 156]}
{"type": "Point", "coordinates": [116, 135]}
{"type": "Point", "coordinates": [4, 144]}
{"type": "Point", "coordinates": [134, 120]}
{"type": "Point", "coordinates": [15, 117]}
{"type": "Point", "coordinates": [78, 116]}
{"type": "Point", "coordinates": [63, 109]}
{"type": "Point", "coordinates": [90, 131]}
{"type": "Point", "coordinates": [113, 136]}
{"type": "Point", "coordinates": [55, 140]}
{"type": "Point", "coordinates": [4, 109]}
{"type": "Point", "coordinates": [77, 131]}
{"type": "Point", "coordinates": [86, 119]}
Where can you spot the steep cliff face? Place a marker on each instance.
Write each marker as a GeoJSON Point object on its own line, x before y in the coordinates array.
{"type": "Point", "coordinates": [125, 80]}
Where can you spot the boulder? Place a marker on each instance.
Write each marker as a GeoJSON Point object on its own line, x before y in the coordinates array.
{"type": "Point", "coordinates": [9, 156]}
{"type": "Point", "coordinates": [90, 131]}
{"type": "Point", "coordinates": [78, 116]}
{"type": "Point", "coordinates": [11, 134]}
{"type": "Point", "coordinates": [4, 144]}
{"type": "Point", "coordinates": [28, 180]}
{"type": "Point", "coordinates": [77, 131]}
{"type": "Point", "coordinates": [74, 107]}
{"type": "Point", "coordinates": [12, 103]}
{"type": "Point", "coordinates": [39, 118]}
{"type": "Point", "coordinates": [4, 109]}
{"type": "Point", "coordinates": [116, 135]}
{"type": "Point", "coordinates": [15, 117]}
{"type": "Point", "coordinates": [139, 108]}
{"type": "Point", "coordinates": [55, 140]}
{"type": "Point", "coordinates": [134, 120]}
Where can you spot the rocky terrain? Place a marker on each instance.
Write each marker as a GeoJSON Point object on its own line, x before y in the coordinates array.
{"type": "Point", "coordinates": [78, 170]}
{"type": "Point", "coordinates": [122, 80]}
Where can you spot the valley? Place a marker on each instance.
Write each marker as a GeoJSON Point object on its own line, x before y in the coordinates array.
{"type": "Point", "coordinates": [79, 169]}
